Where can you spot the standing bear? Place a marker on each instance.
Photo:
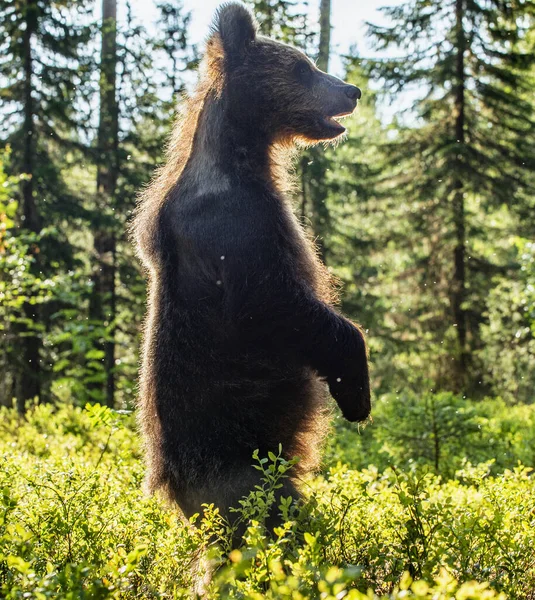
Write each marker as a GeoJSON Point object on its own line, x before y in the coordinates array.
{"type": "Point", "coordinates": [241, 337]}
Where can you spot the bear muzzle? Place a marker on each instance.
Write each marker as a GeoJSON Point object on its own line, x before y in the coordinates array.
{"type": "Point", "coordinates": [340, 101]}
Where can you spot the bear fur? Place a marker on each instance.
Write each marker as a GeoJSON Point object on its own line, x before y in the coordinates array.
{"type": "Point", "coordinates": [241, 336]}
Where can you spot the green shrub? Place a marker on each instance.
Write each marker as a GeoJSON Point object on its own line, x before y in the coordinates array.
{"type": "Point", "coordinates": [74, 523]}
{"type": "Point", "coordinates": [441, 433]}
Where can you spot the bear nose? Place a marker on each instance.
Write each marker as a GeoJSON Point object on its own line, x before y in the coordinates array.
{"type": "Point", "coordinates": [353, 92]}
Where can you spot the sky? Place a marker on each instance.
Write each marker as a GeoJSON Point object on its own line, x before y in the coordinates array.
{"type": "Point", "coordinates": [348, 18]}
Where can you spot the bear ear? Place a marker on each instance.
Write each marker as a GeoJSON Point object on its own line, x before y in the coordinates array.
{"type": "Point", "coordinates": [237, 28]}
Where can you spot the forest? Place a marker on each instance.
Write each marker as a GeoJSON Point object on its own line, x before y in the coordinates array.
{"type": "Point", "coordinates": [424, 214]}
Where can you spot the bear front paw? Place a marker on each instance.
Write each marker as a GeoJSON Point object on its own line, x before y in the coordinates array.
{"type": "Point", "coordinates": [352, 396]}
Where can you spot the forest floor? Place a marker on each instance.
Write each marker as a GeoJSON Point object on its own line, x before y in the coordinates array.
{"type": "Point", "coordinates": [75, 523]}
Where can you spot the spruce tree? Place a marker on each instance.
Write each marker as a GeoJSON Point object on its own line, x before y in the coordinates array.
{"type": "Point", "coordinates": [140, 77]}
{"type": "Point", "coordinates": [172, 40]}
{"type": "Point", "coordinates": [315, 163]}
{"type": "Point", "coordinates": [103, 302]}
{"type": "Point", "coordinates": [43, 68]}
{"type": "Point", "coordinates": [286, 21]}
{"type": "Point", "coordinates": [464, 153]}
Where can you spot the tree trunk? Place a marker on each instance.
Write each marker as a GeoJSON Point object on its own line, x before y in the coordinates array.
{"type": "Point", "coordinates": [29, 379]}
{"type": "Point", "coordinates": [103, 305]}
{"type": "Point", "coordinates": [325, 35]}
{"type": "Point", "coordinates": [268, 25]}
{"type": "Point", "coordinates": [459, 217]}
{"type": "Point", "coordinates": [313, 176]}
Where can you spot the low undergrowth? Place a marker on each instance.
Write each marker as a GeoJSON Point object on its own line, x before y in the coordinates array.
{"type": "Point", "coordinates": [74, 523]}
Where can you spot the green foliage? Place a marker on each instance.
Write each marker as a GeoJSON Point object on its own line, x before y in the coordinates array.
{"type": "Point", "coordinates": [455, 181]}
{"type": "Point", "coordinates": [44, 130]}
{"type": "Point", "coordinates": [21, 284]}
{"type": "Point", "coordinates": [284, 20]}
{"type": "Point", "coordinates": [440, 433]}
{"type": "Point", "coordinates": [47, 267]}
{"type": "Point", "coordinates": [68, 337]}
{"type": "Point", "coordinates": [510, 359]}
{"type": "Point", "coordinates": [74, 523]}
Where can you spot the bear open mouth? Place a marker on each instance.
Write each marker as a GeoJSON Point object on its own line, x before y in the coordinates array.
{"type": "Point", "coordinates": [332, 121]}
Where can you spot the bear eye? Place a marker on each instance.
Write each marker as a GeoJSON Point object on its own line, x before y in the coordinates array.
{"type": "Point", "coordinates": [303, 70]}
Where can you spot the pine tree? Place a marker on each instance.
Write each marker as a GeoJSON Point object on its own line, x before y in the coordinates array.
{"type": "Point", "coordinates": [173, 41]}
{"type": "Point", "coordinates": [103, 302]}
{"type": "Point", "coordinates": [140, 79]}
{"type": "Point", "coordinates": [466, 154]}
{"type": "Point", "coordinates": [324, 50]}
{"type": "Point", "coordinates": [315, 163]}
{"type": "Point", "coordinates": [286, 21]}
{"type": "Point", "coordinates": [43, 70]}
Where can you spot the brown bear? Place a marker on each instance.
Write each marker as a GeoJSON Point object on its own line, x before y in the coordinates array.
{"type": "Point", "coordinates": [241, 336]}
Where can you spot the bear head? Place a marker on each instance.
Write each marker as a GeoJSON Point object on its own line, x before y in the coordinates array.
{"type": "Point", "coordinates": [272, 87]}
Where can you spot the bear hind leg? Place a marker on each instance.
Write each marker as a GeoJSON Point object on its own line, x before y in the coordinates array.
{"type": "Point", "coordinates": [226, 493]}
